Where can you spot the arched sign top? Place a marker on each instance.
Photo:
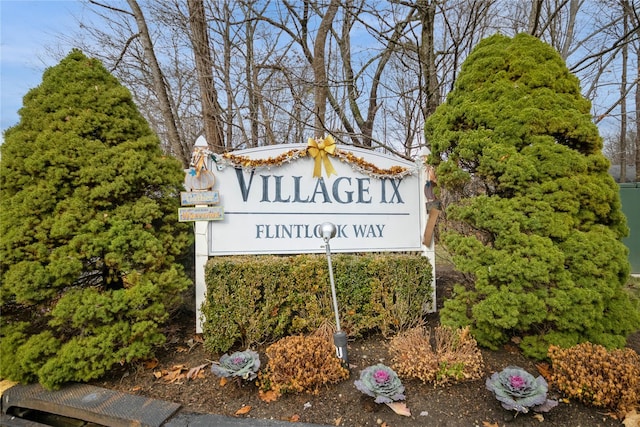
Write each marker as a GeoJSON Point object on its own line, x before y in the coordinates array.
{"type": "Point", "coordinates": [364, 161]}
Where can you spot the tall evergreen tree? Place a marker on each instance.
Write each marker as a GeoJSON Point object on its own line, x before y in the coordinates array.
{"type": "Point", "coordinates": [535, 220]}
{"type": "Point", "coordinates": [89, 238]}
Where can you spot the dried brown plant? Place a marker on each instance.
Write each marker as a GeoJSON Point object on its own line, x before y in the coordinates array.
{"type": "Point", "coordinates": [597, 376]}
{"type": "Point", "coordinates": [301, 363]}
{"type": "Point", "coordinates": [453, 356]}
{"type": "Point", "coordinates": [325, 330]}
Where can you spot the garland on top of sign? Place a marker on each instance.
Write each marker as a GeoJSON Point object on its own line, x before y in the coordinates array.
{"type": "Point", "coordinates": [320, 149]}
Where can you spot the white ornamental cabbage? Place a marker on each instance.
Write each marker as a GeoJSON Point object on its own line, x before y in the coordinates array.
{"type": "Point", "coordinates": [381, 382]}
{"type": "Point", "coordinates": [518, 390]}
{"type": "Point", "coordinates": [242, 364]}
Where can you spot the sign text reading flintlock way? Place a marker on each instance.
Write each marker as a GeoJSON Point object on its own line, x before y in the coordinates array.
{"type": "Point", "coordinates": [306, 231]}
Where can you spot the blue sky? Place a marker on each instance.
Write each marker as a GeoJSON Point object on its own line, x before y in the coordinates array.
{"type": "Point", "coordinates": [29, 32]}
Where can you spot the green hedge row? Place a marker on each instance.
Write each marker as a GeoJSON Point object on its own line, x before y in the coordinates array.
{"type": "Point", "coordinates": [256, 299]}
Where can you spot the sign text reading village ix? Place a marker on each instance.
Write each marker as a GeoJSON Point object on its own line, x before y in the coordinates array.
{"type": "Point", "coordinates": [281, 189]}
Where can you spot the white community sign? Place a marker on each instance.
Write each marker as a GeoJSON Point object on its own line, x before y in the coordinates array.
{"type": "Point", "coordinates": [273, 199]}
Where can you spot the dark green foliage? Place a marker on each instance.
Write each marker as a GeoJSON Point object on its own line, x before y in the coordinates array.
{"type": "Point", "coordinates": [533, 217]}
{"type": "Point", "coordinates": [262, 298]}
{"type": "Point", "coordinates": [89, 236]}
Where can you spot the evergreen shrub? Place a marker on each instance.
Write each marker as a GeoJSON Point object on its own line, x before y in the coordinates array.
{"type": "Point", "coordinates": [90, 245]}
{"type": "Point", "coordinates": [254, 299]}
{"type": "Point", "coordinates": [533, 219]}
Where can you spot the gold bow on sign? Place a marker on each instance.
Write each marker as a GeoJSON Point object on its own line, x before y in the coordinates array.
{"type": "Point", "coordinates": [320, 150]}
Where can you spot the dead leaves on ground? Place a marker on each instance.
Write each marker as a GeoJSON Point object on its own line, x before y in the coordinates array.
{"type": "Point", "coordinates": [151, 364]}
{"type": "Point", "coordinates": [191, 344]}
{"type": "Point", "coordinates": [247, 408]}
{"type": "Point", "coordinates": [400, 408]}
{"type": "Point", "coordinates": [244, 410]}
{"type": "Point", "coordinates": [180, 372]}
{"type": "Point", "coordinates": [197, 372]}
{"type": "Point", "coordinates": [268, 396]}
{"type": "Point", "coordinates": [545, 370]}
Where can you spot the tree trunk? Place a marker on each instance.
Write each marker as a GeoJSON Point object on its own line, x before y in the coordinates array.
{"type": "Point", "coordinates": [211, 110]}
{"type": "Point", "coordinates": [623, 104]}
{"type": "Point", "coordinates": [637, 144]}
{"type": "Point", "coordinates": [319, 69]}
{"type": "Point", "coordinates": [427, 11]}
{"type": "Point", "coordinates": [534, 17]}
{"type": "Point", "coordinates": [635, 21]}
{"type": "Point", "coordinates": [251, 87]}
{"type": "Point", "coordinates": [574, 5]}
{"type": "Point", "coordinates": [226, 71]}
{"type": "Point", "coordinates": [177, 148]}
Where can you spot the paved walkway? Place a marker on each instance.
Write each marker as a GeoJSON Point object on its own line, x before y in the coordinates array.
{"type": "Point", "coordinates": [209, 420]}
{"type": "Point", "coordinates": [102, 406]}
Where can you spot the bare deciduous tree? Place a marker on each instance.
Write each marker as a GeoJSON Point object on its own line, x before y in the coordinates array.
{"type": "Point", "coordinates": [204, 68]}
{"type": "Point", "coordinates": [179, 150]}
{"type": "Point", "coordinates": [534, 17]}
{"type": "Point", "coordinates": [321, 85]}
{"type": "Point", "coordinates": [623, 105]}
{"type": "Point", "coordinates": [370, 73]}
{"type": "Point", "coordinates": [430, 86]}
{"type": "Point", "coordinates": [631, 11]}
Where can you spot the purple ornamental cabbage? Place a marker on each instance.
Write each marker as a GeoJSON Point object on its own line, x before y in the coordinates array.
{"type": "Point", "coordinates": [518, 390]}
{"type": "Point", "coordinates": [242, 364]}
{"type": "Point", "coordinates": [381, 382]}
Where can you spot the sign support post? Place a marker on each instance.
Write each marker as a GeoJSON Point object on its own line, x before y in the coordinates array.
{"type": "Point", "coordinates": [201, 230]}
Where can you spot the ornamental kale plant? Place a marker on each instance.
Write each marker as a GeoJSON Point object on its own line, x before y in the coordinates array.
{"type": "Point", "coordinates": [518, 390]}
{"type": "Point", "coordinates": [241, 364]}
{"type": "Point", "coordinates": [381, 382]}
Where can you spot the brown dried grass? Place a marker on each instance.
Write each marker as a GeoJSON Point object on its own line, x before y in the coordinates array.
{"type": "Point", "coordinates": [451, 356]}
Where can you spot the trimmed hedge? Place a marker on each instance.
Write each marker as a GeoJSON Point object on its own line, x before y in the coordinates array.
{"type": "Point", "coordinates": [256, 299]}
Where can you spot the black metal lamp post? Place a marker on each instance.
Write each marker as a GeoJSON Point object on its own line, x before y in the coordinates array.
{"type": "Point", "coordinates": [339, 337]}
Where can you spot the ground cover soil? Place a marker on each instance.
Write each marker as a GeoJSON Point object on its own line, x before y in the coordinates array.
{"type": "Point", "coordinates": [462, 404]}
